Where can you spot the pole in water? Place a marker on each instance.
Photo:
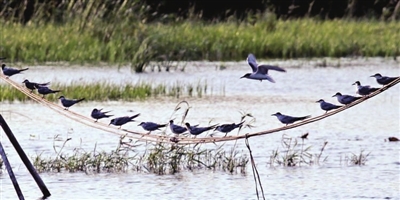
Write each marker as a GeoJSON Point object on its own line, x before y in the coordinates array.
{"type": "Point", "coordinates": [24, 158]}
{"type": "Point", "coordinates": [11, 173]}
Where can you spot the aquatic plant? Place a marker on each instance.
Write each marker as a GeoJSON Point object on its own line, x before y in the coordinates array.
{"type": "Point", "coordinates": [357, 159]}
{"type": "Point", "coordinates": [102, 91]}
{"type": "Point", "coordinates": [294, 153]}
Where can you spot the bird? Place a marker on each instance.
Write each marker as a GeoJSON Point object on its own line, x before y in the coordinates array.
{"type": "Point", "coordinates": [286, 119]}
{"type": "Point", "coordinates": [119, 121]}
{"type": "Point", "coordinates": [98, 114]}
{"type": "Point", "coordinates": [196, 130]}
{"type": "Point", "coordinates": [383, 80]}
{"type": "Point", "coordinates": [327, 106]}
{"type": "Point", "coordinates": [260, 72]}
{"type": "Point", "coordinates": [345, 99]}
{"type": "Point", "coordinates": [69, 102]}
{"type": "Point", "coordinates": [364, 90]}
{"type": "Point", "coordinates": [176, 128]}
{"type": "Point", "coordinates": [32, 85]}
{"type": "Point", "coordinates": [151, 126]}
{"type": "Point", "coordinates": [226, 128]}
{"type": "Point", "coordinates": [44, 90]}
{"type": "Point", "coordinates": [8, 71]}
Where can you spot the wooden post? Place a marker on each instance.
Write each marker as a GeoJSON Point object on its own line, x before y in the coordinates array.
{"type": "Point", "coordinates": [24, 158]}
{"type": "Point", "coordinates": [11, 173]}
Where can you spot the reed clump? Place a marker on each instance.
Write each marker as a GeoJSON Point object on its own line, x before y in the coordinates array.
{"type": "Point", "coordinates": [157, 158]}
{"type": "Point", "coordinates": [101, 91]}
{"type": "Point", "coordinates": [295, 153]}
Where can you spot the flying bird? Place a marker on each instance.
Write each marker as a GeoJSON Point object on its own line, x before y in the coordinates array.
{"type": "Point", "coordinates": [69, 102]}
{"type": "Point", "coordinates": [99, 114]}
{"type": "Point", "coordinates": [8, 71]}
{"type": "Point", "coordinates": [383, 80]}
{"type": "Point", "coordinates": [151, 126]}
{"type": "Point", "coordinates": [196, 130]}
{"type": "Point", "coordinates": [364, 90]}
{"type": "Point", "coordinates": [226, 128]}
{"type": "Point", "coordinates": [260, 72]}
{"type": "Point", "coordinates": [32, 85]}
{"type": "Point", "coordinates": [345, 99]}
{"type": "Point", "coordinates": [119, 121]}
{"type": "Point", "coordinates": [327, 106]}
{"type": "Point", "coordinates": [286, 119]}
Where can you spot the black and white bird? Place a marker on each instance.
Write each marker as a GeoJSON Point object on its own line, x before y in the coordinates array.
{"type": "Point", "coordinates": [196, 130]}
{"type": "Point", "coordinates": [44, 90]}
{"type": "Point", "coordinates": [364, 90]}
{"type": "Point", "coordinates": [119, 121]}
{"type": "Point", "coordinates": [176, 129]}
{"type": "Point", "coordinates": [327, 106]}
{"type": "Point", "coordinates": [345, 99]}
{"type": "Point", "coordinates": [99, 114]}
{"type": "Point", "coordinates": [286, 119]}
{"type": "Point", "coordinates": [151, 126]}
{"type": "Point", "coordinates": [260, 72]}
{"type": "Point", "coordinates": [69, 102]}
{"type": "Point", "coordinates": [383, 80]}
{"type": "Point", "coordinates": [8, 71]}
{"type": "Point", "coordinates": [32, 85]}
{"type": "Point", "coordinates": [226, 128]}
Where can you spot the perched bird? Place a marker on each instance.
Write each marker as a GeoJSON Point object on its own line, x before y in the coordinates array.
{"type": "Point", "coordinates": [119, 121]}
{"type": "Point", "coordinates": [176, 128]}
{"type": "Point", "coordinates": [345, 99]}
{"type": "Point", "coordinates": [151, 126]}
{"type": "Point", "coordinates": [286, 119]}
{"type": "Point", "coordinates": [8, 71]}
{"type": "Point", "coordinates": [195, 130]}
{"type": "Point", "coordinates": [260, 72]}
{"type": "Point", "coordinates": [98, 114]}
{"type": "Point", "coordinates": [69, 102]}
{"type": "Point", "coordinates": [44, 90]}
{"type": "Point", "coordinates": [364, 90]}
{"type": "Point", "coordinates": [383, 80]}
{"type": "Point", "coordinates": [226, 128]}
{"type": "Point", "coordinates": [327, 106]}
{"type": "Point", "coordinates": [32, 85]}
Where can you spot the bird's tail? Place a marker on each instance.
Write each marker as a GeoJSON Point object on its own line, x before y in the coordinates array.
{"type": "Point", "coordinates": [212, 127]}
{"type": "Point", "coordinates": [134, 116]}
{"type": "Point", "coordinates": [303, 118]}
{"type": "Point", "coordinates": [42, 84]}
{"type": "Point", "coordinates": [79, 100]}
{"type": "Point", "coordinates": [21, 70]}
{"type": "Point", "coordinates": [55, 91]}
{"type": "Point", "coordinates": [162, 125]}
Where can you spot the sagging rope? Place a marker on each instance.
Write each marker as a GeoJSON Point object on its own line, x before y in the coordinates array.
{"type": "Point", "coordinates": [181, 140]}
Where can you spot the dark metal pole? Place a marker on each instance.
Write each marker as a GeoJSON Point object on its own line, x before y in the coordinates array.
{"type": "Point", "coordinates": [24, 158]}
{"type": "Point", "coordinates": [11, 173]}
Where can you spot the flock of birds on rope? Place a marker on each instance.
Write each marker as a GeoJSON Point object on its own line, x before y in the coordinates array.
{"type": "Point", "coordinates": [259, 72]}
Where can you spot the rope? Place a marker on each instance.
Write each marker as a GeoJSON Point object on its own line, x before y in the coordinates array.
{"type": "Point", "coordinates": [172, 139]}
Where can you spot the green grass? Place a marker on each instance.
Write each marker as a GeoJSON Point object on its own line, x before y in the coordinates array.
{"type": "Point", "coordinates": [139, 43]}
{"type": "Point", "coordinates": [112, 92]}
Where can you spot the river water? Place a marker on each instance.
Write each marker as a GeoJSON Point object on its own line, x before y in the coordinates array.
{"type": "Point", "coordinates": [364, 127]}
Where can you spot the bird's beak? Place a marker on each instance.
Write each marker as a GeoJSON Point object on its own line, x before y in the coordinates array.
{"type": "Point", "coordinates": [334, 95]}
{"type": "Point", "coordinates": [353, 84]}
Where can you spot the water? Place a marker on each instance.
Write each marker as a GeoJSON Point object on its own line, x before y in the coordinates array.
{"type": "Point", "coordinates": [363, 127]}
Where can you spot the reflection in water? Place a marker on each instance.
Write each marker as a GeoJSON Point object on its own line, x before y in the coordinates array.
{"type": "Point", "coordinates": [363, 127]}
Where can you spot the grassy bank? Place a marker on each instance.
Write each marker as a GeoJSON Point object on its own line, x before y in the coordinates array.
{"type": "Point", "coordinates": [138, 43]}
{"type": "Point", "coordinates": [111, 92]}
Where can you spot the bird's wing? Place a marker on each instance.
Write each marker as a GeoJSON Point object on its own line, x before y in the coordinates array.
{"type": "Point", "coordinates": [263, 69]}
{"type": "Point", "coordinates": [251, 60]}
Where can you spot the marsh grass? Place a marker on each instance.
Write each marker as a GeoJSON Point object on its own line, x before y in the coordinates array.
{"type": "Point", "coordinates": [111, 92]}
{"type": "Point", "coordinates": [295, 153]}
{"type": "Point", "coordinates": [140, 43]}
{"type": "Point", "coordinates": [157, 158]}
{"type": "Point", "coordinates": [357, 159]}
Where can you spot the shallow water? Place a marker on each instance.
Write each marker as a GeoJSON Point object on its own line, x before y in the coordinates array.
{"type": "Point", "coordinates": [363, 127]}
